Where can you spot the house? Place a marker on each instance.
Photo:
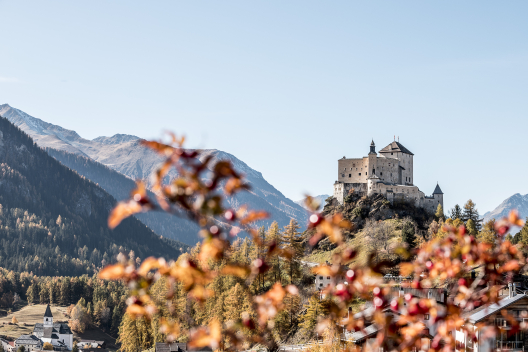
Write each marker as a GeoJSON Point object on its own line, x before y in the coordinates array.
{"type": "Point", "coordinates": [7, 345]}
{"type": "Point", "coordinates": [91, 344]}
{"type": "Point", "coordinates": [58, 334]}
{"type": "Point", "coordinates": [178, 347]}
{"type": "Point", "coordinates": [480, 320]}
{"type": "Point", "coordinates": [30, 343]}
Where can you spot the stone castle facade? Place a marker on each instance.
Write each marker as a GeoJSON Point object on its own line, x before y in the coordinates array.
{"type": "Point", "coordinates": [390, 173]}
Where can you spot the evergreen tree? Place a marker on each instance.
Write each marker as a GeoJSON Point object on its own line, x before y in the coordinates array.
{"type": "Point", "coordinates": [408, 233]}
{"type": "Point", "coordinates": [471, 213]}
{"type": "Point", "coordinates": [517, 238]}
{"type": "Point", "coordinates": [65, 292]}
{"type": "Point", "coordinates": [292, 243]}
{"type": "Point", "coordinates": [456, 212]}
{"type": "Point", "coordinates": [523, 234]}
{"type": "Point", "coordinates": [509, 238]}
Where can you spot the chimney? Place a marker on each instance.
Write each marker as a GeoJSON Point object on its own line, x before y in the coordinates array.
{"type": "Point", "coordinates": [510, 290]}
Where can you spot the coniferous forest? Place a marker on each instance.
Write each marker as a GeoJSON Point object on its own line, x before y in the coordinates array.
{"type": "Point", "coordinates": [54, 221]}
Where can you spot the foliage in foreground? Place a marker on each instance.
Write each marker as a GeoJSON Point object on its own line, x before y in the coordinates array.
{"type": "Point", "coordinates": [446, 258]}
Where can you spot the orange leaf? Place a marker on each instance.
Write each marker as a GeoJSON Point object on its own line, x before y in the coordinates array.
{"type": "Point", "coordinates": [253, 216]}
{"type": "Point", "coordinates": [122, 211]}
{"type": "Point", "coordinates": [147, 265]}
{"type": "Point", "coordinates": [210, 336]}
{"type": "Point", "coordinates": [324, 270]}
{"type": "Point", "coordinates": [112, 272]}
{"type": "Point", "coordinates": [236, 270]}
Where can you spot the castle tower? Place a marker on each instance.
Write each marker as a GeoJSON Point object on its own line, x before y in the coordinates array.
{"type": "Point", "coordinates": [372, 160]}
{"type": "Point", "coordinates": [48, 318]}
{"type": "Point", "coordinates": [438, 196]}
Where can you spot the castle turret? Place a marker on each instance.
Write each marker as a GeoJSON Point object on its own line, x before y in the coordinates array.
{"type": "Point", "coordinates": [438, 196]}
{"type": "Point", "coordinates": [372, 186]}
{"type": "Point", "coordinates": [372, 160]}
{"type": "Point", "coordinates": [48, 317]}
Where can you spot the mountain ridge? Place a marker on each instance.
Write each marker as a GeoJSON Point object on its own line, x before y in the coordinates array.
{"type": "Point", "coordinates": [122, 153]}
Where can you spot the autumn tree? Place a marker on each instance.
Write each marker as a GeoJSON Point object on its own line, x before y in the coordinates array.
{"type": "Point", "coordinates": [487, 234]}
{"type": "Point", "coordinates": [292, 244]}
{"type": "Point", "coordinates": [274, 238]}
{"type": "Point", "coordinates": [471, 228]}
{"type": "Point", "coordinates": [315, 309]}
{"type": "Point", "coordinates": [439, 214]}
{"type": "Point", "coordinates": [47, 346]}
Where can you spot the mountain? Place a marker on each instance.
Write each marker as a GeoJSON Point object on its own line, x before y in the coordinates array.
{"type": "Point", "coordinates": [122, 153]}
{"type": "Point", "coordinates": [517, 201]}
{"type": "Point", "coordinates": [320, 198]}
{"type": "Point", "coordinates": [54, 221]}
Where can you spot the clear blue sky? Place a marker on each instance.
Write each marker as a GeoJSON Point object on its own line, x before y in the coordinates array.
{"type": "Point", "coordinates": [288, 86]}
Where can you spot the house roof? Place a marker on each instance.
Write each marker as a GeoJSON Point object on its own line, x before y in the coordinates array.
{"type": "Point", "coordinates": [396, 147]}
{"type": "Point", "coordinates": [178, 347]}
{"type": "Point", "coordinates": [480, 314]}
{"type": "Point", "coordinates": [370, 330]}
{"type": "Point", "coordinates": [27, 340]}
{"type": "Point", "coordinates": [48, 312]}
{"type": "Point", "coordinates": [438, 190]}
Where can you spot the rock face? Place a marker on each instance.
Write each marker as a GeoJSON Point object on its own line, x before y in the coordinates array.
{"type": "Point", "coordinates": [358, 209]}
{"type": "Point", "coordinates": [123, 154]}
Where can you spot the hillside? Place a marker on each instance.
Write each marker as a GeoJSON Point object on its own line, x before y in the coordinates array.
{"type": "Point", "coordinates": [361, 209]}
{"type": "Point", "coordinates": [122, 153]}
{"type": "Point", "coordinates": [53, 221]}
{"type": "Point", "coordinates": [119, 186]}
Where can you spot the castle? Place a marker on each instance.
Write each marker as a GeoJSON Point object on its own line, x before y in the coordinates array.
{"type": "Point", "coordinates": [389, 174]}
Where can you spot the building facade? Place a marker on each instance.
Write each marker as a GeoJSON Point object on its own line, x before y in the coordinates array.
{"type": "Point", "coordinates": [390, 173]}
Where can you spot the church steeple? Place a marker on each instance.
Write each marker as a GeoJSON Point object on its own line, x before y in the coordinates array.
{"type": "Point", "coordinates": [372, 148]}
{"type": "Point", "coordinates": [48, 317]}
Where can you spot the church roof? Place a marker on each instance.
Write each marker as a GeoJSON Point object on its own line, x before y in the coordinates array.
{"type": "Point", "coordinates": [61, 328]}
{"type": "Point", "coordinates": [48, 312]}
{"type": "Point", "coordinates": [396, 147]}
{"type": "Point", "coordinates": [438, 190]}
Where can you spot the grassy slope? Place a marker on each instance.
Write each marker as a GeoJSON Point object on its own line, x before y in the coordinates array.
{"type": "Point", "coordinates": [29, 315]}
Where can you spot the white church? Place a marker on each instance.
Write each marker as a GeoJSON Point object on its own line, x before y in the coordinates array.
{"type": "Point", "coordinates": [58, 334]}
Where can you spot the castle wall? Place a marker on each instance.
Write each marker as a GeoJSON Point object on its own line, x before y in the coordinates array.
{"type": "Point", "coordinates": [353, 170]}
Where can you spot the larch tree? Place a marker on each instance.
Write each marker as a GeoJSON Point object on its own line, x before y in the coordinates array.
{"type": "Point", "coordinates": [128, 335]}
{"type": "Point", "coordinates": [292, 242]}
{"type": "Point", "coordinates": [439, 215]}
{"type": "Point", "coordinates": [274, 236]}
{"type": "Point", "coordinates": [315, 308]}
{"type": "Point", "coordinates": [471, 227]}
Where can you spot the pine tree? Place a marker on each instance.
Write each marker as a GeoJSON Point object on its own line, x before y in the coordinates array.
{"type": "Point", "coordinates": [292, 242]}
{"type": "Point", "coordinates": [65, 292]}
{"type": "Point", "coordinates": [456, 212]}
{"type": "Point", "coordinates": [471, 213]}
{"type": "Point", "coordinates": [408, 233]}
{"type": "Point", "coordinates": [523, 234]}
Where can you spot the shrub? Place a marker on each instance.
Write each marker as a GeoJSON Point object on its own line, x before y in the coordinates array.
{"type": "Point", "coordinates": [47, 346]}
{"type": "Point", "coordinates": [14, 320]}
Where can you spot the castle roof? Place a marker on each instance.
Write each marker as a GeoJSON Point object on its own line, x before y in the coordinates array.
{"type": "Point", "coordinates": [48, 312]}
{"type": "Point", "coordinates": [396, 147]}
{"type": "Point", "coordinates": [438, 190]}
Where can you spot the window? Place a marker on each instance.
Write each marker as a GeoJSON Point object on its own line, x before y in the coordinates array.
{"type": "Point", "coordinates": [320, 277]}
{"type": "Point", "coordinates": [381, 173]}
{"type": "Point", "coordinates": [342, 175]}
{"type": "Point", "coordinates": [426, 316]}
{"type": "Point", "coordinates": [360, 174]}
{"type": "Point", "coordinates": [328, 277]}
{"type": "Point", "coordinates": [349, 175]}
{"type": "Point", "coordinates": [365, 174]}
{"type": "Point", "coordinates": [391, 153]}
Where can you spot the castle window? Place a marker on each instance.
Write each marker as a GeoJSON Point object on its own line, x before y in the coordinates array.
{"type": "Point", "coordinates": [360, 174]}
{"type": "Point", "coordinates": [349, 175]}
{"type": "Point", "coordinates": [381, 173]}
{"type": "Point", "coordinates": [342, 175]}
{"type": "Point", "coordinates": [392, 153]}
